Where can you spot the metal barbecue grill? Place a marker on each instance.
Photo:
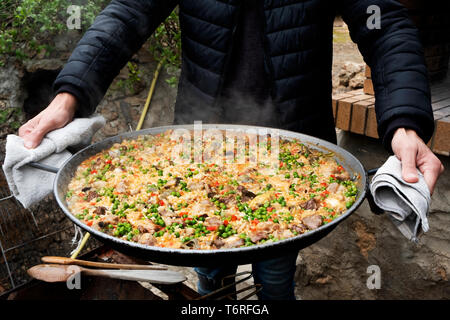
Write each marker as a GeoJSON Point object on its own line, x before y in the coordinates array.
{"type": "Point", "coordinates": [24, 237]}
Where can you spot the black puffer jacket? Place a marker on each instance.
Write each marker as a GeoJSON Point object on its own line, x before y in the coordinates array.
{"type": "Point", "coordinates": [298, 52]}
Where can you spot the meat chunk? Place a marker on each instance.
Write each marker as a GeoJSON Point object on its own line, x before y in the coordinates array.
{"type": "Point", "coordinates": [299, 228]}
{"type": "Point", "coordinates": [233, 242]}
{"type": "Point", "coordinates": [229, 200]}
{"type": "Point", "coordinates": [312, 222]}
{"type": "Point", "coordinates": [262, 198]}
{"type": "Point", "coordinates": [258, 235]}
{"type": "Point", "coordinates": [172, 183]}
{"type": "Point", "coordinates": [170, 220]}
{"type": "Point", "coordinates": [147, 239]}
{"type": "Point", "coordinates": [105, 221]}
{"type": "Point", "coordinates": [165, 194]}
{"type": "Point", "coordinates": [332, 170]}
{"type": "Point", "coordinates": [311, 204]}
{"type": "Point", "coordinates": [99, 184]}
{"type": "Point", "coordinates": [122, 186]}
{"type": "Point", "coordinates": [92, 195]}
{"type": "Point", "coordinates": [189, 231]}
{"type": "Point", "coordinates": [169, 217]}
{"type": "Point", "coordinates": [245, 179]}
{"type": "Point", "coordinates": [213, 221]}
{"type": "Point", "coordinates": [211, 194]}
{"type": "Point", "coordinates": [333, 187]}
{"type": "Point", "coordinates": [287, 234]}
{"type": "Point", "coordinates": [202, 207]}
{"type": "Point", "coordinates": [167, 213]}
{"type": "Point", "coordinates": [110, 219]}
{"type": "Point", "coordinates": [196, 186]}
{"type": "Point", "coordinates": [100, 211]}
{"type": "Point", "coordinates": [246, 195]}
{"type": "Point", "coordinates": [343, 176]}
{"type": "Point", "coordinates": [218, 243]}
{"type": "Point", "coordinates": [147, 226]}
{"type": "Point", "coordinates": [267, 226]}
{"type": "Point", "coordinates": [135, 191]}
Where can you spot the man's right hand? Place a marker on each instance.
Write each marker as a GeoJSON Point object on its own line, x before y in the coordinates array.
{"type": "Point", "coordinates": [59, 113]}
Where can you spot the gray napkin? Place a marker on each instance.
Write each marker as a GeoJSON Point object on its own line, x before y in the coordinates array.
{"type": "Point", "coordinates": [30, 185]}
{"type": "Point", "coordinates": [407, 203]}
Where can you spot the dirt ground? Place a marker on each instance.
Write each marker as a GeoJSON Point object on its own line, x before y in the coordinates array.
{"type": "Point", "coordinates": [344, 49]}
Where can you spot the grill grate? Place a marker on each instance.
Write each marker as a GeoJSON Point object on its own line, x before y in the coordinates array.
{"type": "Point", "coordinates": [27, 235]}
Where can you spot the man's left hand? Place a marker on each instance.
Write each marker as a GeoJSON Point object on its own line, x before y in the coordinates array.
{"type": "Point", "coordinates": [414, 153]}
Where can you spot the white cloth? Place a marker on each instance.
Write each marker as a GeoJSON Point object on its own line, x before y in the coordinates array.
{"type": "Point", "coordinates": [407, 203]}
{"type": "Point", "coordinates": [30, 185]}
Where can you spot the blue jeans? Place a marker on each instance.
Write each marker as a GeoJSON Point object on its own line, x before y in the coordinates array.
{"type": "Point", "coordinates": [276, 277]}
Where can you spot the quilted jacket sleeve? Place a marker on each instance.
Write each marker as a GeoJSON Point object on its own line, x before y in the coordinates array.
{"type": "Point", "coordinates": [395, 56]}
{"type": "Point", "coordinates": [116, 34]}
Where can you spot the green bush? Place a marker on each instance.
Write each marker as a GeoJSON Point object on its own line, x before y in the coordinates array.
{"type": "Point", "coordinates": [29, 26]}
{"type": "Point", "coordinates": [166, 44]}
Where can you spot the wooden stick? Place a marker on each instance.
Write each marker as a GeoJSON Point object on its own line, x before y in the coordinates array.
{"type": "Point", "coordinates": [61, 273]}
{"type": "Point", "coordinates": [83, 242]}
{"type": "Point", "coordinates": [150, 95]}
{"type": "Point", "coordinates": [69, 261]}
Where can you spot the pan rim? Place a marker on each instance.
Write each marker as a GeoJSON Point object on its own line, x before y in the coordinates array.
{"type": "Point", "coordinates": [310, 140]}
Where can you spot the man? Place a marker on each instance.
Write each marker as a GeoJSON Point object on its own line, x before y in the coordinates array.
{"type": "Point", "coordinates": [265, 62]}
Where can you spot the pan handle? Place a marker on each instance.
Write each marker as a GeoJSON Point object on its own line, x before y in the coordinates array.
{"type": "Point", "coordinates": [373, 207]}
{"type": "Point", "coordinates": [44, 167]}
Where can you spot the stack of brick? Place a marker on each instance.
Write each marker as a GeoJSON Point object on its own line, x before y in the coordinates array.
{"type": "Point", "coordinates": [368, 85]}
{"type": "Point", "coordinates": [354, 111]}
{"type": "Point", "coordinates": [440, 143]}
